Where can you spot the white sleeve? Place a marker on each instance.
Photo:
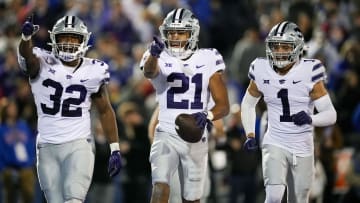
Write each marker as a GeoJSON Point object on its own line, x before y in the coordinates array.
{"type": "Point", "coordinates": [326, 112]}
{"type": "Point", "coordinates": [248, 113]}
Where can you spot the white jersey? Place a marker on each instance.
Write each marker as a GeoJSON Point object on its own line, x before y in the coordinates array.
{"type": "Point", "coordinates": [180, 84]}
{"type": "Point", "coordinates": [286, 95]}
{"type": "Point", "coordinates": [62, 97]}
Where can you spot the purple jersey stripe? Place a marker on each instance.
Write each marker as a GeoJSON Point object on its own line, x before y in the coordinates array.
{"type": "Point", "coordinates": [316, 77]}
{"type": "Point", "coordinates": [251, 76]}
{"type": "Point", "coordinates": [317, 66]}
{"type": "Point", "coordinates": [220, 61]}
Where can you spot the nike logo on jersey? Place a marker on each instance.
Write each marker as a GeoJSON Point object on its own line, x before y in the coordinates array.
{"type": "Point", "coordinates": [84, 80]}
{"type": "Point", "coordinates": [200, 66]}
{"type": "Point", "coordinates": [294, 82]}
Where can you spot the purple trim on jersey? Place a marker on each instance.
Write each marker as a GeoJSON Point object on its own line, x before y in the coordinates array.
{"type": "Point", "coordinates": [220, 61]}
{"type": "Point", "coordinates": [317, 66]}
{"type": "Point", "coordinates": [105, 80]}
{"type": "Point", "coordinates": [316, 77]}
{"type": "Point", "coordinates": [251, 76]}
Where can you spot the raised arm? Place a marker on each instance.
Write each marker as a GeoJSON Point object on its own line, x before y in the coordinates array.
{"type": "Point", "coordinates": [151, 68]}
{"type": "Point", "coordinates": [29, 63]}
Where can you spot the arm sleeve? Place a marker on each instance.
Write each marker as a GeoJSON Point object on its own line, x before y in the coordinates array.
{"type": "Point", "coordinates": [326, 112]}
{"type": "Point", "coordinates": [248, 113]}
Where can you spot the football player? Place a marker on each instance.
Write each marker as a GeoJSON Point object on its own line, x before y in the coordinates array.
{"type": "Point", "coordinates": [184, 77]}
{"type": "Point", "coordinates": [291, 87]}
{"type": "Point", "coordinates": [64, 83]}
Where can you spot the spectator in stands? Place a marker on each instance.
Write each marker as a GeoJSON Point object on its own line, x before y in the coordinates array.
{"type": "Point", "coordinates": [17, 151]}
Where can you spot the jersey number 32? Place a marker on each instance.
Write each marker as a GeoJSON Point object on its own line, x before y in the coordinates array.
{"type": "Point", "coordinates": [65, 105]}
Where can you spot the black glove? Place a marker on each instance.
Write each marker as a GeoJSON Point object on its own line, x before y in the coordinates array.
{"type": "Point", "coordinates": [301, 118]}
{"type": "Point", "coordinates": [29, 29]}
{"type": "Point", "coordinates": [114, 163]}
{"type": "Point", "coordinates": [202, 121]}
{"type": "Point", "coordinates": [157, 46]}
{"type": "Point", "coordinates": [251, 144]}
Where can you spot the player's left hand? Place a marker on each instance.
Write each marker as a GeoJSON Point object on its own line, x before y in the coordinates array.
{"type": "Point", "coordinates": [114, 163]}
{"type": "Point", "coordinates": [202, 121]}
{"type": "Point", "coordinates": [301, 118]}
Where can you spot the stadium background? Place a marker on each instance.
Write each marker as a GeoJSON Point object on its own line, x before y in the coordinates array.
{"type": "Point", "coordinates": [121, 32]}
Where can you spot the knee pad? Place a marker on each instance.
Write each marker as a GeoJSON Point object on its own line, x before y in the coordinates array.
{"type": "Point", "coordinates": [274, 193]}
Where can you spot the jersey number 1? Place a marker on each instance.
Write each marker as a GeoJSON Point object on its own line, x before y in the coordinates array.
{"type": "Point", "coordinates": [283, 95]}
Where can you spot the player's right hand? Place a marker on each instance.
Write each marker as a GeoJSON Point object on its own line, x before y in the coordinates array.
{"type": "Point", "coordinates": [251, 144]}
{"type": "Point", "coordinates": [28, 28]}
{"type": "Point", "coordinates": [156, 47]}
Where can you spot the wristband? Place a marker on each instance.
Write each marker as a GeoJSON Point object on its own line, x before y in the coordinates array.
{"type": "Point", "coordinates": [114, 147]}
{"type": "Point", "coordinates": [210, 115]}
{"type": "Point", "coordinates": [25, 38]}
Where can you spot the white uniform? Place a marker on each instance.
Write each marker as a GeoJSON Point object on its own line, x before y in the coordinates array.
{"type": "Point", "coordinates": [286, 95]}
{"type": "Point", "coordinates": [287, 149]}
{"type": "Point", "coordinates": [62, 97]}
{"type": "Point", "coordinates": [65, 159]}
{"type": "Point", "coordinates": [182, 87]}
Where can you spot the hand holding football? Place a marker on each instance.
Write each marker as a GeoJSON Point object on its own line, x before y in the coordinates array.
{"type": "Point", "coordinates": [187, 129]}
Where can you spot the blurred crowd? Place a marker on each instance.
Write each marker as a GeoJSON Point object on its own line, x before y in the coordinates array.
{"type": "Point", "coordinates": [121, 32]}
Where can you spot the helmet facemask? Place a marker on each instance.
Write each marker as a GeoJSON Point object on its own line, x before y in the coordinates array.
{"type": "Point", "coordinates": [282, 58]}
{"type": "Point", "coordinates": [179, 48]}
{"type": "Point", "coordinates": [186, 23]}
{"type": "Point", "coordinates": [70, 50]}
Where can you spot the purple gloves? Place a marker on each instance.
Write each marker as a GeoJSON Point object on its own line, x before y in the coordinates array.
{"type": "Point", "coordinates": [28, 29]}
{"type": "Point", "coordinates": [301, 118]}
{"type": "Point", "coordinates": [114, 163]}
{"type": "Point", "coordinates": [157, 46]}
{"type": "Point", "coordinates": [251, 144]}
{"type": "Point", "coordinates": [202, 121]}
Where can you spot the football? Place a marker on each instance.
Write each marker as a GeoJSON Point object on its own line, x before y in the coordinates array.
{"type": "Point", "coordinates": [186, 128]}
